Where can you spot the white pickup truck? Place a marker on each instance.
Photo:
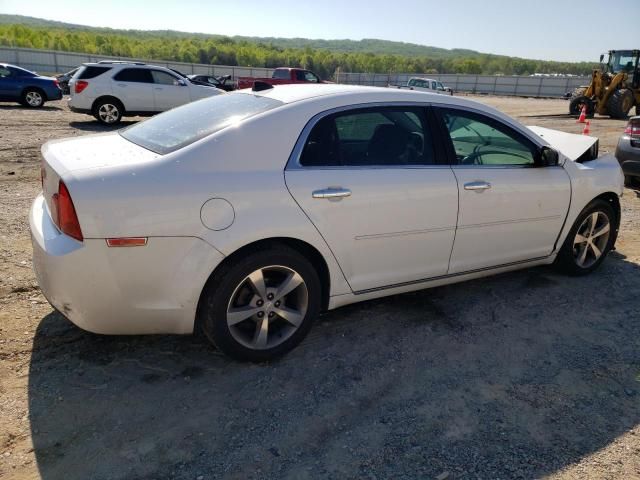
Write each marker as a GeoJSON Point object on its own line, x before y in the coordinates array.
{"type": "Point", "coordinates": [427, 85]}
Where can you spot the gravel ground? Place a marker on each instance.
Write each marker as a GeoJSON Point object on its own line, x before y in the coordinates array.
{"type": "Point", "coordinates": [523, 375]}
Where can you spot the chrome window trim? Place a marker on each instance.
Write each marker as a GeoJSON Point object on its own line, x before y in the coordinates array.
{"type": "Point", "coordinates": [294, 158]}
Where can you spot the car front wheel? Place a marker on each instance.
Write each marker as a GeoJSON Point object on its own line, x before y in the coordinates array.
{"type": "Point", "coordinates": [261, 306]}
{"type": "Point", "coordinates": [589, 241]}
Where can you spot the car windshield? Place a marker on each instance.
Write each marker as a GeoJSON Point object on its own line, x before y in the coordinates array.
{"type": "Point", "coordinates": [184, 125]}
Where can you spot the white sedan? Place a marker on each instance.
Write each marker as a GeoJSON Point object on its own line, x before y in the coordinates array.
{"type": "Point", "coordinates": [247, 214]}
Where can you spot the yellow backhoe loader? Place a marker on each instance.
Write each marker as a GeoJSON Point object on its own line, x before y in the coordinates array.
{"type": "Point", "coordinates": [614, 88]}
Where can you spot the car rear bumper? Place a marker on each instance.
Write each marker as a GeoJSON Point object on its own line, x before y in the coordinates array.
{"type": "Point", "coordinates": [628, 156]}
{"type": "Point", "coordinates": [79, 110]}
{"type": "Point", "coordinates": [134, 290]}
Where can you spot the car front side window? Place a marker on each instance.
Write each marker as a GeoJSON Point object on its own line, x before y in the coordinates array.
{"type": "Point", "coordinates": [163, 78]}
{"type": "Point", "coordinates": [482, 141]}
{"type": "Point", "coordinates": [4, 72]}
{"type": "Point", "coordinates": [385, 136]}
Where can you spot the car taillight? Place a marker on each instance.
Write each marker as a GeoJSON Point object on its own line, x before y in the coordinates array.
{"type": "Point", "coordinates": [80, 86]}
{"type": "Point", "coordinates": [56, 83]}
{"type": "Point", "coordinates": [633, 128]}
{"type": "Point", "coordinates": [63, 213]}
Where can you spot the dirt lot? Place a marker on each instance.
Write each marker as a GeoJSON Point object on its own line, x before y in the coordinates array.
{"type": "Point", "coordinates": [529, 374]}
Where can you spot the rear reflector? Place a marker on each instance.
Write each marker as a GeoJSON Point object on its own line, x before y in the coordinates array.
{"type": "Point", "coordinates": [80, 86]}
{"type": "Point", "coordinates": [127, 242]}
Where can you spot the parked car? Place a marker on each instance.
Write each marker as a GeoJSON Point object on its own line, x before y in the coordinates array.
{"type": "Point", "coordinates": [628, 151]}
{"type": "Point", "coordinates": [282, 76]}
{"type": "Point", "coordinates": [63, 80]}
{"type": "Point", "coordinates": [112, 90]}
{"type": "Point", "coordinates": [427, 85]}
{"type": "Point", "coordinates": [246, 214]}
{"type": "Point", "coordinates": [27, 88]}
{"type": "Point", "coordinates": [223, 82]}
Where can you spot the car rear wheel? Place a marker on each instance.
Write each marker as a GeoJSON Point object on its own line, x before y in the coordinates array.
{"type": "Point", "coordinates": [262, 306]}
{"type": "Point", "coordinates": [108, 112]}
{"type": "Point", "coordinates": [33, 98]}
{"type": "Point", "coordinates": [589, 240]}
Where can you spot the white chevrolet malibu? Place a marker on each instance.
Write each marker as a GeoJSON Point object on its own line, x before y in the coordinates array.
{"type": "Point", "coordinates": [247, 214]}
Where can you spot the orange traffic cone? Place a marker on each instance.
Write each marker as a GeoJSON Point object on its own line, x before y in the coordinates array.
{"type": "Point", "coordinates": [587, 129]}
{"type": "Point", "coordinates": [583, 115]}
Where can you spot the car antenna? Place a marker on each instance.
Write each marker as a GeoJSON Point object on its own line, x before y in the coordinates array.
{"type": "Point", "coordinates": [259, 86]}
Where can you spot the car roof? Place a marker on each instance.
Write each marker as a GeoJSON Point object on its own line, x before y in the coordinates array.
{"type": "Point", "coordinates": [356, 94]}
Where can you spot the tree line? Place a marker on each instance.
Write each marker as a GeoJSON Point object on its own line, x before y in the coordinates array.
{"type": "Point", "coordinates": [255, 52]}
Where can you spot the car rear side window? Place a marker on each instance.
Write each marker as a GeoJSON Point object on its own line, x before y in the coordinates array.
{"type": "Point", "coordinates": [4, 72]}
{"type": "Point", "coordinates": [281, 74]}
{"type": "Point", "coordinates": [138, 75]}
{"type": "Point", "coordinates": [184, 125]}
{"type": "Point", "coordinates": [92, 72]}
{"type": "Point", "coordinates": [380, 136]}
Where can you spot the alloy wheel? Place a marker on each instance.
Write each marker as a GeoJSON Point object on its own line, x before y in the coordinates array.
{"type": "Point", "coordinates": [591, 239]}
{"type": "Point", "coordinates": [267, 307]}
{"type": "Point", "coordinates": [108, 113]}
{"type": "Point", "coordinates": [34, 99]}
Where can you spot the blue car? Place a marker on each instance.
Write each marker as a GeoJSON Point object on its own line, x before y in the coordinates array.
{"type": "Point", "coordinates": [25, 87]}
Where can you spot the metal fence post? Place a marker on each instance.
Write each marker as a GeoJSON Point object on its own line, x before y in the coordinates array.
{"type": "Point", "coordinates": [540, 86]}
{"type": "Point", "coordinates": [515, 87]}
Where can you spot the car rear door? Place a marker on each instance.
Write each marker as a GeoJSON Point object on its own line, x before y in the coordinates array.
{"type": "Point", "coordinates": [511, 208]}
{"type": "Point", "coordinates": [379, 191]}
{"type": "Point", "coordinates": [134, 87]}
{"type": "Point", "coordinates": [169, 91]}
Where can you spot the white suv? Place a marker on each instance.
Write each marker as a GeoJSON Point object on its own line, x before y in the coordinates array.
{"type": "Point", "coordinates": [111, 90]}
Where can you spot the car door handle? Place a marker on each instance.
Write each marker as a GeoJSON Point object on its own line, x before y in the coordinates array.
{"type": "Point", "coordinates": [477, 186]}
{"type": "Point", "coordinates": [331, 193]}
{"type": "Point", "coordinates": [158, 88]}
{"type": "Point", "coordinates": [121, 85]}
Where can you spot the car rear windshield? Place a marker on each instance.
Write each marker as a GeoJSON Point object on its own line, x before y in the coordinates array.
{"type": "Point", "coordinates": [184, 125]}
{"type": "Point", "coordinates": [92, 72]}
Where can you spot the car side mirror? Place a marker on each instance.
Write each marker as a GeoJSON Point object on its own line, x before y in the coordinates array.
{"type": "Point", "coordinates": [601, 57]}
{"type": "Point", "coordinates": [180, 82]}
{"type": "Point", "coordinates": [549, 157]}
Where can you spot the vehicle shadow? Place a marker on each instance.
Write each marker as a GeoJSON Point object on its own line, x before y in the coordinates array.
{"type": "Point", "coordinates": [515, 376]}
{"type": "Point", "coordinates": [95, 126]}
{"type": "Point", "coordinates": [20, 107]}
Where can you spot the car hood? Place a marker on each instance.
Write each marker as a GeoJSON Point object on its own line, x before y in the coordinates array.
{"type": "Point", "coordinates": [570, 145]}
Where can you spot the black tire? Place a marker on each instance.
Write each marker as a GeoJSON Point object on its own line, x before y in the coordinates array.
{"type": "Point", "coordinates": [637, 109]}
{"type": "Point", "coordinates": [577, 100]}
{"type": "Point", "coordinates": [222, 290]}
{"type": "Point", "coordinates": [108, 111]}
{"type": "Point", "coordinates": [620, 103]}
{"type": "Point", "coordinates": [566, 260]}
{"type": "Point", "coordinates": [631, 182]}
{"type": "Point", "coordinates": [33, 98]}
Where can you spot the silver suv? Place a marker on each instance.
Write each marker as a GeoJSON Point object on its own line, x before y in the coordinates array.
{"type": "Point", "coordinates": [111, 90]}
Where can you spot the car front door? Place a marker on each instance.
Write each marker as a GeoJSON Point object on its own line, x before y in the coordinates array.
{"type": "Point", "coordinates": [134, 87]}
{"type": "Point", "coordinates": [379, 191]}
{"type": "Point", "coordinates": [9, 85]}
{"type": "Point", "coordinates": [169, 91]}
{"type": "Point", "coordinates": [511, 208]}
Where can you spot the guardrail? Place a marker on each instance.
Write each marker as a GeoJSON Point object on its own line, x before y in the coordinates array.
{"type": "Point", "coordinates": [54, 62]}
{"type": "Point", "coordinates": [537, 86]}
{"type": "Point", "coordinates": [51, 62]}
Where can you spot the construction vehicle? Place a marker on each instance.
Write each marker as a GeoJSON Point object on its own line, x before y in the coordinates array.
{"type": "Point", "coordinates": [614, 88]}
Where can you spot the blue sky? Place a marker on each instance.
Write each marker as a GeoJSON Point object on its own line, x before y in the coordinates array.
{"type": "Point", "coordinates": [543, 29]}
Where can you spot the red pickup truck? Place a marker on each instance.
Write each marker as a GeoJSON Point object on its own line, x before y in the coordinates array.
{"type": "Point", "coordinates": [282, 76]}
